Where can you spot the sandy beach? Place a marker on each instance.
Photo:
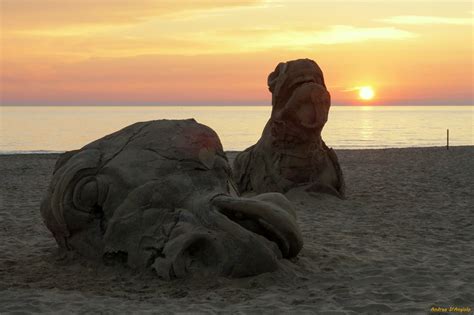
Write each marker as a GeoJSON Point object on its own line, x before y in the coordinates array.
{"type": "Point", "coordinates": [401, 242]}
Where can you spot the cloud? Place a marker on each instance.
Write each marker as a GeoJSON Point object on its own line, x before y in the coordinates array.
{"type": "Point", "coordinates": [262, 39]}
{"type": "Point", "coordinates": [427, 20]}
{"type": "Point", "coordinates": [84, 42]}
{"type": "Point", "coordinates": [352, 89]}
{"type": "Point", "coordinates": [41, 14]}
{"type": "Point", "coordinates": [349, 34]}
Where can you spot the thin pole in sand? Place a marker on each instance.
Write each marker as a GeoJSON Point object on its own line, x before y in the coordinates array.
{"type": "Point", "coordinates": [447, 139]}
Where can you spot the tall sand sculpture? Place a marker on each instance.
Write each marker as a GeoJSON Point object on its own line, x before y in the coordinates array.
{"type": "Point", "coordinates": [291, 152]}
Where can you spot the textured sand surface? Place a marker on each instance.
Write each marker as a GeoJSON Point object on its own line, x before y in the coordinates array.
{"type": "Point", "coordinates": [402, 241]}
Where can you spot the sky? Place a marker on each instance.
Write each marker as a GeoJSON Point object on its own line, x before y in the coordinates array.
{"type": "Point", "coordinates": [166, 52]}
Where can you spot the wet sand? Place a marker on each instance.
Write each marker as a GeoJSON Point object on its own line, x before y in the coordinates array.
{"type": "Point", "coordinates": [402, 241]}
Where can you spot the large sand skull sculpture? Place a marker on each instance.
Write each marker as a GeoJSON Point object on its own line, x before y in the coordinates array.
{"type": "Point", "coordinates": [160, 195]}
{"type": "Point", "coordinates": [291, 152]}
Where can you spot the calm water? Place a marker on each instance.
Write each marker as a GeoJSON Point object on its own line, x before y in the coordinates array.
{"type": "Point", "coordinates": [30, 129]}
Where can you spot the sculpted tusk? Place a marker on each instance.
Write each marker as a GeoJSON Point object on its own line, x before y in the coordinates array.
{"type": "Point", "coordinates": [278, 221]}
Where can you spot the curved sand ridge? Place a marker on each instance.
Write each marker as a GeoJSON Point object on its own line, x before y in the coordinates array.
{"type": "Point", "coordinates": [400, 242]}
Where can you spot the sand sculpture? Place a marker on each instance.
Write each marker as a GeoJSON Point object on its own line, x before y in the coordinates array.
{"type": "Point", "coordinates": [160, 195]}
{"type": "Point", "coordinates": [291, 152]}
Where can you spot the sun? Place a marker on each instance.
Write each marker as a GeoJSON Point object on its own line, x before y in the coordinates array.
{"type": "Point", "coordinates": [366, 93]}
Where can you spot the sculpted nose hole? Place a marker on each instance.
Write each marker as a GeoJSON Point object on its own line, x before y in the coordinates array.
{"type": "Point", "coordinates": [199, 257]}
{"type": "Point", "coordinates": [98, 213]}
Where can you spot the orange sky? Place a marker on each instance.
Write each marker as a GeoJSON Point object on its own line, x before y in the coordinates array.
{"type": "Point", "coordinates": [140, 52]}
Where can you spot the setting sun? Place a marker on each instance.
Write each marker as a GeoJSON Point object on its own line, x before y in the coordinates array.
{"type": "Point", "coordinates": [366, 93]}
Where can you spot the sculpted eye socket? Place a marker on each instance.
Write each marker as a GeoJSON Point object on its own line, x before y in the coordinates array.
{"type": "Point", "coordinates": [88, 194]}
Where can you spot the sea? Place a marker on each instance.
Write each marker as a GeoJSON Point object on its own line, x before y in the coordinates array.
{"type": "Point", "coordinates": [51, 129]}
